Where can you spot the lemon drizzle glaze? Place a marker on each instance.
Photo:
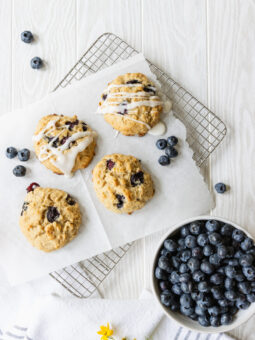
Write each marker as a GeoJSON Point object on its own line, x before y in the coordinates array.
{"type": "Point", "coordinates": [64, 161]}
{"type": "Point", "coordinates": [122, 107]}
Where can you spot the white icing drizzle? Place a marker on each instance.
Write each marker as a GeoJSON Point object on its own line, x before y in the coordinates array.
{"type": "Point", "coordinates": [64, 161]}
{"type": "Point", "coordinates": [124, 108]}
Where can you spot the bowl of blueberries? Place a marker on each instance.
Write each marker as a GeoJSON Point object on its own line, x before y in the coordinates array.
{"type": "Point", "coordinates": [204, 274]}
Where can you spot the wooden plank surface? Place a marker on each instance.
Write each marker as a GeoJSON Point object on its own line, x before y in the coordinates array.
{"type": "Point", "coordinates": [207, 46]}
{"type": "Point", "coordinates": [231, 81]}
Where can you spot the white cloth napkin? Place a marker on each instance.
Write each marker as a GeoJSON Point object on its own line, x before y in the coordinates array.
{"type": "Point", "coordinates": [56, 318]}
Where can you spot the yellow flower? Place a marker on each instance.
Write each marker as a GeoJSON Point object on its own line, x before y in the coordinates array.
{"type": "Point", "coordinates": [105, 331]}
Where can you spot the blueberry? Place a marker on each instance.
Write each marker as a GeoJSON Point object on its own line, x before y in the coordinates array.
{"type": "Point", "coordinates": [19, 171]}
{"type": "Point", "coordinates": [233, 262]}
{"type": "Point", "coordinates": [161, 144]}
{"type": "Point", "coordinates": [52, 214]}
{"type": "Point", "coordinates": [183, 268]}
{"type": "Point", "coordinates": [212, 225]}
{"type": "Point", "coordinates": [200, 311]}
{"type": "Point", "coordinates": [238, 235]}
{"type": "Point", "coordinates": [27, 37]}
{"type": "Point", "coordinates": [249, 273]}
{"type": "Point", "coordinates": [172, 140]}
{"type": "Point", "coordinates": [185, 255]}
{"type": "Point", "coordinates": [193, 264]}
{"type": "Point", "coordinates": [137, 179]}
{"type": "Point", "coordinates": [242, 303]}
{"type": "Point", "coordinates": [36, 63]}
{"type": "Point", "coordinates": [197, 252]}
{"type": "Point", "coordinates": [161, 274]}
{"type": "Point", "coordinates": [164, 263]}
{"type": "Point", "coordinates": [231, 295]}
{"type": "Point", "coordinates": [214, 311]}
{"type": "Point", "coordinates": [239, 277]}
{"type": "Point", "coordinates": [164, 285]}
{"type": "Point", "coordinates": [246, 260]}
{"type": "Point", "coordinates": [185, 277]}
{"type": "Point", "coordinates": [214, 321]}
{"type": "Point", "coordinates": [170, 245]}
{"type": "Point", "coordinates": [247, 244]}
{"type": "Point", "coordinates": [164, 160]}
{"type": "Point", "coordinates": [186, 300]}
{"type": "Point", "coordinates": [174, 277]}
{"type": "Point", "coordinates": [220, 188]}
{"type": "Point", "coordinates": [238, 254]}
{"type": "Point", "coordinates": [223, 302]}
{"type": "Point", "coordinates": [204, 320]}
{"type": "Point", "coordinates": [176, 289]}
{"type": "Point", "coordinates": [222, 251]}
{"type": "Point", "coordinates": [166, 298]}
{"type": "Point", "coordinates": [215, 238]}
{"type": "Point", "coordinates": [226, 230]}
{"type": "Point", "coordinates": [250, 297]}
{"type": "Point", "coordinates": [190, 241]}
{"type": "Point", "coordinates": [207, 267]}
{"type": "Point", "coordinates": [187, 311]}
{"type": "Point", "coordinates": [181, 243]}
{"type": "Point", "coordinates": [217, 293]}
{"type": "Point", "coordinates": [217, 279]}
{"type": "Point", "coordinates": [215, 260]}
{"type": "Point", "coordinates": [187, 287]}
{"type": "Point", "coordinates": [202, 240]}
{"type": "Point", "coordinates": [226, 319]}
{"type": "Point", "coordinates": [174, 306]}
{"type": "Point", "coordinates": [165, 252]}
{"type": "Point", "coordinates": [24, 155]}
{"type": "Point", "coordinates": [198, 276]}
{"type": "Point", "coordinates": [204, 287]}
{"type": "Point", "coordinates": [120, 199]}
{"type": "Point", "coordinates": [171, 152]}
{"type": "Point", "coordinates": [197, 296]}
{"type": "Point", "coordinates": [251, 251]}
{"type": "Point", "coordinates": [193, 316]}
{"type": "Point", "coordinates": [176, 262]}
{"type": "Point", "coordinates": [185, 231]}
{"type": "Point", "coordinates": [230, 271]}
{"type": "Point", "coordinates": [244, 287]}
{"type": "Point", "coordinates": [233, 310]}
{"type": "Point", "coordinates": [229, 283]}
{"type": "Point", "coordinates": [11, 152]}
{"type": "Point", "coordinates": [208, 250]}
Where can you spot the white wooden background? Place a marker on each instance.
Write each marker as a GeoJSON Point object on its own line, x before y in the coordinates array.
{"type": "Point", "coordinates": [206, 45]}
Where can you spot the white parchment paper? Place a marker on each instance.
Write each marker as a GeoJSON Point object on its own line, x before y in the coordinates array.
{"type": "Point", "coordinates": [180, 189]}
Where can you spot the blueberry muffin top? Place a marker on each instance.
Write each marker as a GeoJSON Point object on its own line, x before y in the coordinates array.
{"type": "Point", "coordinates": [64, 144]}
{"type": "Point", "coordinates": [121, 184]}
{"type": "Point", "coordinates": [50, 218]}
{"type": "Point", "coordinates": [130, 104]}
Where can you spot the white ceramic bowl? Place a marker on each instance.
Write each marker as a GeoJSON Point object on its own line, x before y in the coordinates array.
{"type": "Point", "coordinates": [240, 317]}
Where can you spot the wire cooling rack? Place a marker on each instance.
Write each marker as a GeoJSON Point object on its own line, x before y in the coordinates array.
{"type": "Point", "coordinates": [205, 131]}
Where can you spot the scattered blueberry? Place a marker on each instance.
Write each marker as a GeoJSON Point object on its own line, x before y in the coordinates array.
{"type": "Point", "coordinates": [226, 319]}
{"type": "Point", "coordinates": [193, 264]}
{"type": "Point", "coordinates": [190, 241]}
{"type": "Point", "coordinates": [226, 230]}
{"type": "Point", "coordinates": [19, 171]}
{"type": "Point", "coordinates": [183, 268]}
{"type": "Point", "coordinates": [195, 228]}
{"type": "Point", "coordinates": [165, 285]}
{"type": "Point", "coordinates": [11, 152]}
{"type": "Point", "coordinates": [250, 297]}
{"type": "Point", "coordinates": [215, 238]}
{"type": "Point", "coordinates": [110, 164]}
{"type": "Point", "coordinates": [161, 274]}
{"type": "Point", "coordinates": [170, 245]}
{"type": "Point", "coordinates": [27, 37]}
{"type": "Point", "coordinates": [215, 260]}
{"type": "Point", "coordinates": [246, 260]}
{"type": "Point", "coordinates": [23, 155]}
{"type": "Point", "coordinates": [230, 271]}
{"type": "Point", "coordinates": [70, 200]}
{"type": "Point", "coordinates": [222, 251]}
{"type": "Point", "coordinates": [215, 321]}
{"type": "Point", "coordinates": [244, 287]}
{"type": "Point", "coordinates": [172, 140]}
{"type": "Point", "coordinates": [185, 231]}
{"type": "Point", "coordinates": [220, 188]}
{"type": "Point", "coordinates": [184, 277]}
{"type": "Point", "coordinates": [164, 160]}
{"type": "Point", "coordinates": [204, 287]}
{"type": "Point", "coordinates": [249, 273]}
{"type": "Point", "coordinates": [238, 235]}
{"type": "Point", "coordinates": [186, 287]}
{"type": "Point", "coordinates": [204, 321]}
{"type": "Point", "coordinates": [36, 63]}
{"type": "Point", "coordinates": [174, 277]}
{"type": "Point", "coordinates": [202, 240]}
{"type": "Point", "coordinates": [207, 267]}
{"type": "Point", "coordinates": [242, 303]}
{"type": "Point", "coordinates": [212, 225]}
{"type": "Point", "coordinates": [229, 283]}
{"type": "Point", "coordinates": [166, 298]}
{"type": "Point", "coordinates": [176, 289]}
{"type": "Point", "coordinates": [208, 250]}
{"type": "Point", "coordinates": [197, 252]}
{"type": "Point", "coordinates": [161, 144]}
{"type": "Point", "coordinates": [164, 263]}
{"type": "Point", "coordinates": [198, 276]}
{"type": "Point", "coordinates": [247, 244]}
{"type": "Point", "coordinates": [217, 279]}
{"type": "Point", "coordinates": [171, 152]}
{"type": "Point", "coordinates": [120, 199]}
